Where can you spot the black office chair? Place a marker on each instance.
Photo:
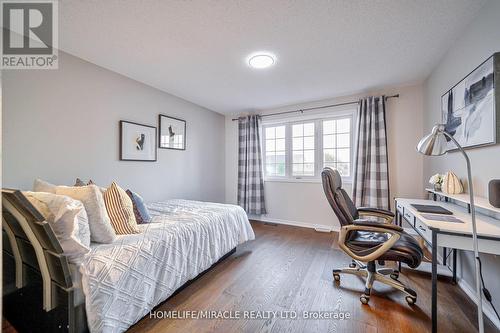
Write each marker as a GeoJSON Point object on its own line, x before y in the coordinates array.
{"type": "Point", "coordinates": [367, 240]}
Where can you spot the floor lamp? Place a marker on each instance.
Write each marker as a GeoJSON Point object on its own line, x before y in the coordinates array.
{"type": "Point", "coordinates": [435, 144]}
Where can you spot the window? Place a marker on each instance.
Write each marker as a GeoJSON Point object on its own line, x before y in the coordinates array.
{"type": "Point", "coordinates": [337, 145]}
{"type": "Point", "coordinates": [300, 149]}
{"type": "Point", "coordinates": [275, 151]}
{"type": "Point", "coordinates": [303, 149]}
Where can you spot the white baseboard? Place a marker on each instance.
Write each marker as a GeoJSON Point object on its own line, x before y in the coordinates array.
{"type": "Point", "coordinates": [487, 309]}
{"type": "Point", "coordinates": [317, 227]}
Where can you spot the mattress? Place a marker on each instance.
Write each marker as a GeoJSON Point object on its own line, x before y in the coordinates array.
{"type": "Point", "coordinates": [123, 281]}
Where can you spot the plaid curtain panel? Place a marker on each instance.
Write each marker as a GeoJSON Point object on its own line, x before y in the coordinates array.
{"type": "Point", "coordinates": [371, 170]}
{"type": "Point", "coordinates": [250, 180]}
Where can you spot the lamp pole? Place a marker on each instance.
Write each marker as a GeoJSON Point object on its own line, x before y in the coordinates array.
{"type": "Point", "coordinates": [474, 235]}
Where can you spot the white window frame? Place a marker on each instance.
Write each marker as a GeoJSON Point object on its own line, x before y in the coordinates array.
{"type": "Point", "coordinates": [289, 150]}
{"type": "Point", "coordinates": [264, 152]}
{"type": "Point", "coordinates": [318, 119]}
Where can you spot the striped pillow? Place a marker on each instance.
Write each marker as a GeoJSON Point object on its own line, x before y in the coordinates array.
{"type": "Point", "coordinates": [120, 210]}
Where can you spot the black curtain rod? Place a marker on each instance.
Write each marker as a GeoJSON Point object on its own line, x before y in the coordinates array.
{"type": "Point", "coordinates": [317, 107]}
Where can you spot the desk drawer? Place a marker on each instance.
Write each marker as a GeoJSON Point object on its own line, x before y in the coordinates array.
{"type": "Point", "coordinates": [409, 218]}
{"type": "Point", "coordinates": [399, 207]}
{"type": "Point", "coordinates": [423, 230]}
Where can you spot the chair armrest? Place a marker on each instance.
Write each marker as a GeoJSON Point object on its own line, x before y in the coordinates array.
{"type": "Point", "coordinates": [370, 254]}
{"type": "Point", "coordinates": [377, 212]}
{"type": "Point", "coordinates": [378, 225]}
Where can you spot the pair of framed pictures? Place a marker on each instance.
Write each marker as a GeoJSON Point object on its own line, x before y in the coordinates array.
{"type": "Point", "coordinates": [139, 142]}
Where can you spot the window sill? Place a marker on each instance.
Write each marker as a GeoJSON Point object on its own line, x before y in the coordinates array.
{"type": "Point", "coordinates": [304, 180]}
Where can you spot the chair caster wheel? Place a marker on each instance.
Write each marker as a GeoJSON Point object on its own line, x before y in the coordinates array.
{"type": "Point", "coordinates": [336, 277]}
{"type": "Point", "coordinates": [364, 299]}
{"type": "Point", "coordinates": [352, 265]}
{"type": "Point", "coordinates": [394, 276]}
{"type": "Point", "coordinates": [411, 300]}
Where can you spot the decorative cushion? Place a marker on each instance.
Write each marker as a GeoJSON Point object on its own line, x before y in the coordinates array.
{"type": "Point", "coordinates": [43, 186]}
{"type": "Point", "coordinates": [120, 210]}
{"type": "Point", "coordinates": [79, 182]}
{"type": "Point", "coordinates": [101, 230]}
{"type": "Point", "coordinates": [140, 210]}
{"type": "Point", "coordinates": [137, 214]}
{"type": "Point", "coordinates": [68, 219]}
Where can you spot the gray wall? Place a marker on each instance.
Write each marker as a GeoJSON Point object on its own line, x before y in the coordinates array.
{"type": "Point", "coordinates": [61, 124]}
{"type": "Point", "coordinates": [304, 203]}
{"type": "Point", "coordinates": [479, 41]}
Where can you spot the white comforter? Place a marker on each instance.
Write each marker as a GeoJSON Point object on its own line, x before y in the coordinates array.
{"type": "Point", "coordinates": [123, 281]}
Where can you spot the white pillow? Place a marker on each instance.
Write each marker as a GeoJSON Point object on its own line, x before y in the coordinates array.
{"type": "Point", "coordinates": [68, 219]}
{"type": "Point", "coordinates": [101, 230]}
{"type": "Point", "coordinates": [43, 186]}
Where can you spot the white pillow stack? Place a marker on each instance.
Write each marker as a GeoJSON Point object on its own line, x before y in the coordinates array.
{"type": "Point", "coordinates": [91, 197]}
{"type": "Point", "coordinates": [101, 230]}
{"type": "Point", "coordinates": [68, 219]}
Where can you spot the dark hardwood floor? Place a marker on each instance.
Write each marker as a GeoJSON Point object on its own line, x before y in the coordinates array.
{"type": "Point", "coordinates": [290, 268]}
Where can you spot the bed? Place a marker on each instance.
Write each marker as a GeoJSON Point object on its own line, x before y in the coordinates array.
{"type": "Point", "coordinates": [117, 284]}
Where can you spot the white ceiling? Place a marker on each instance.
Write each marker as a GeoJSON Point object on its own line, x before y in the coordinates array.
{"type": "Point", "coordinates": [197, 49]}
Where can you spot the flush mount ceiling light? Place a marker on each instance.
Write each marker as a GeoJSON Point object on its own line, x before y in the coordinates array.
{"type": "Point", "coordinates": [261, 60]}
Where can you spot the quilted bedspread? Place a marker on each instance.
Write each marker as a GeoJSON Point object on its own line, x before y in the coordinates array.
{"type": "Point", "coordinates": [123, 281]}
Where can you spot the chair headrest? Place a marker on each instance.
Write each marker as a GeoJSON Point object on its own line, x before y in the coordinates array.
{"type": "Point", "coordinates": [333, 176]}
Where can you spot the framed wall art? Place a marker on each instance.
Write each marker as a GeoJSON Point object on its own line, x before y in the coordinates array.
{"type": "Point", "coordinates": [137, 142]}
{"type": "Point", "coordinates": [172, 132]}
{"type": "Point", "coordinates": [470, 110]}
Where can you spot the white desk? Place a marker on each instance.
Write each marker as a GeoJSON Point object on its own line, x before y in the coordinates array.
{"type": "Point", "coordinates": [479, 202]}
{"type": "Point", "coordinates": [448, 235]}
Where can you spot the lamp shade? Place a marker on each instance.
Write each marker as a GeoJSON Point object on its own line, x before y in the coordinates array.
{"type": "Point", "coordinates": [433, 144]}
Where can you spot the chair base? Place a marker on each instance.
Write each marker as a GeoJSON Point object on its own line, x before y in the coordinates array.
{"type": "Point", "coordinates": [371, 274]}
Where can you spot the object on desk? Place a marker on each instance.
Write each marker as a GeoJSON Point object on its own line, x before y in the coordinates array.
{"type": "Point", "coordinates": [494, 192]}
{"type": "Point", "coordinates": [451, 184]}
{"type": "Point", "coordinates": [431, 209]}
{"type": "Point", "coordinates": [437, 181]}
{"type": "Point", "coordinates": [435, 144]}
{"type": "Point", "coordinates": [442, 218]}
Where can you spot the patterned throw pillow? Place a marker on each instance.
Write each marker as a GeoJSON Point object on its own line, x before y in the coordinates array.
{"type": "Point", "coordinates": [79, 182]}
{"type": "Point", "coordinates": [137, 214]}
{"type": "Point", "coordinates": [120, 210]}
{"type": "Point", "coordinates": [140, 211]}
